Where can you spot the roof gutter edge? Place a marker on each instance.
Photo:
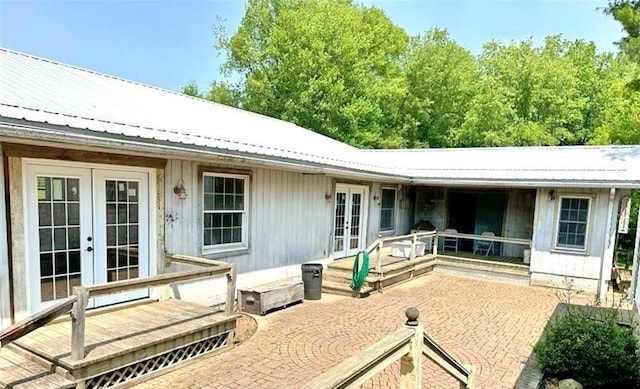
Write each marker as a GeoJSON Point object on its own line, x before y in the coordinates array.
{"type": "Point", "coordinates": [173, 150]}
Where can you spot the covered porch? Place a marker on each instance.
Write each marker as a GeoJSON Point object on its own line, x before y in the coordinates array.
{"type": "Point", "coordinates": [397, 259]}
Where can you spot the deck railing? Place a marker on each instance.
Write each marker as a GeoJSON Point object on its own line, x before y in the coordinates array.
{"type": "Point", "coordinates": [408, 344]}
{"type": "Point", "coordinates": [379, 244]}
{"type": "Point", "coordinates": [37, 320]}
{"type": "Point", "coordinates": [84, 293]}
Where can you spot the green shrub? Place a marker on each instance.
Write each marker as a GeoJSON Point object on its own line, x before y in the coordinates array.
{"type": "Point", "coordinates": [590, 348]}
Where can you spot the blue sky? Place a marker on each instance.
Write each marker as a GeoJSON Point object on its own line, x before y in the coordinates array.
{"type": "Point", "coordinates": [168, 43]}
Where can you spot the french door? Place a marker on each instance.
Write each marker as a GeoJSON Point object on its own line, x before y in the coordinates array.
{"type": "Point", "coordinates": [85, 226]}
{"type": "Point", "coordinates": [349, 232]}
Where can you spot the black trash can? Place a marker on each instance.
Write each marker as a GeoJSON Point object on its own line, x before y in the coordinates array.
{"type": "Point", "coordinates": [312, 280]}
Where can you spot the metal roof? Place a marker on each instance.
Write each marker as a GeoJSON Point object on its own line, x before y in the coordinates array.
{"type": "Point", "coordinates": [44, 99]}
{"type": "Point", "coordinates": [43, 91]}
{"type": "Point", "coordinates": [591, 166]}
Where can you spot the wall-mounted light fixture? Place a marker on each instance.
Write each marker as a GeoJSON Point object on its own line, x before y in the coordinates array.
{"type": "Point", "coordinates": [180, 190]}
{"type": "Point", "coordinates": [552, 195]}
{"type": "Point", "coordinates": [376, 198]}
{"type": "Point", "coordinates": [328, 196]}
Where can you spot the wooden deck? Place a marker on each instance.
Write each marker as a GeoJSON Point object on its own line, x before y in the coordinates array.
{"type": "Point", "coordinates": [130, 342]}
{"type": "Point", "coordinates": [395, 270]}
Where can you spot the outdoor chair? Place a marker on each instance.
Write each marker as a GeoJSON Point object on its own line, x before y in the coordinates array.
{"type": "Point", "coordinates": [484, 246]}
{"type": "Point", "coordinates": [449, 242]}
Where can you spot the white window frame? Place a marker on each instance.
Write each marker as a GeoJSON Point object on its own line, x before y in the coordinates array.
{"type": "Point", "coordinates": [225, 247]}
{"type": "Point", "coordinates": [556, 229]}
{"type": "Point", "coordinates": [395, 210]}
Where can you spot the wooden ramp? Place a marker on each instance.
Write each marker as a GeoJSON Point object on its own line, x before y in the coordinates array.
{"type": "Point", "coordinates": [124, 345]}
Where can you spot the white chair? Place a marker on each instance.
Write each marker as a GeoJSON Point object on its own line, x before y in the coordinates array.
{"type": "Point", "coordinates": [484, 245]}
{"type": "Point", "coordinates": [450, 242]}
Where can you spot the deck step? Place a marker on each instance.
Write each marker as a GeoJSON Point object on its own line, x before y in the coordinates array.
{"type": "Point", "coordinates": [128, 345]}
{"type": "Point", "coordinates": [474, 264]}
{"type": "Point", "coordinates": [495, 271]}
{"type": "Point", "coordinates": [20, 371]}
{"type": "Point", "coordinates": [344, 289]}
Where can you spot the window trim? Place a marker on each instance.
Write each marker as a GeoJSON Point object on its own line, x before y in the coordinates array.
{"type": "Point", "coordinates": [226, 247]}
{"type": "Point", "coordinates": [556, 226]}
{"type": "Point", "coordinates": [395, 210]}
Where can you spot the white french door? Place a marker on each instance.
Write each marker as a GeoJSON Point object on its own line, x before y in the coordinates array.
{"type": "Point", "coordinates": [349, 231]}
{"type": "Point", "coordinates": [85, 226]}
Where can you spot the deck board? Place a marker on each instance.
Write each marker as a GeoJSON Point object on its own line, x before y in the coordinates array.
{"type": "Point", "coordinates": [17, 371]}
{"type": "Point", "coordinates": [111, 334]}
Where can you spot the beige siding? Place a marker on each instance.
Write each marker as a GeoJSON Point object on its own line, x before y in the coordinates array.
{"type": "Point", "coordinates": [545, 260]}
{"type": "Point", "coordinates": [5, 313]}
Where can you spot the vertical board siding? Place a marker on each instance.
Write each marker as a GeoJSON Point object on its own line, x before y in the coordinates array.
{"type": "Point", "coordinates": [373, 228]}
{"type": "Point", "coordinates": [5, 304]}
{"type": "Point", "coordinates": [289, 218]}
{"type": "Point", "coordinates": [545, 260]}
{"type": "Point", "coordinates": [518, 220]}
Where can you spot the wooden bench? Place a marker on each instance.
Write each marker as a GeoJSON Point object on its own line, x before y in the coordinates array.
{"type": "Point", "coordinates": [263, 298]}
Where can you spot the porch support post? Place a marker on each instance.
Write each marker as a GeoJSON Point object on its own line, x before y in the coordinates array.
{"type": "Point", "coordinates": [411, 363]}
{"type": "Point", "coordinates": [636, 250]}
{"type": "Point", "coordinates": [607, 257]}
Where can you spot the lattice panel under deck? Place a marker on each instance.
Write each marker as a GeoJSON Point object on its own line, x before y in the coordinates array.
{"type": "Point", "coordinates": [151, 365]}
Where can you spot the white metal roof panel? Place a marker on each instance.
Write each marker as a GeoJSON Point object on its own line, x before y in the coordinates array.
{"type": "Point", "coordinates": [98, 105]}
{"type": "Point", "coordinates": [39, 90]}
{"type": "Point", "coordinates": [520, 164]}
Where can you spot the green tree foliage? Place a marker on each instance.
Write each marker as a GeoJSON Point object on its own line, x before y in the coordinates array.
{"type": "Point", "coordinates": [329, 65]}
{"type": "Point", "coordinates": [627, 12]}
{"type": "Point", "coordinates": [346, 71]}
{"type": "Point", "coordinates": [441, 79]}
{"type": "Point", "coordinates": [191, 89]}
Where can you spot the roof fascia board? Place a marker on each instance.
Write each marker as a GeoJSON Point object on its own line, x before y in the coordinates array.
{"type": "Point", "coordinates": [11, 131]}
{"type": "Point", "coordinates": [529, 183]}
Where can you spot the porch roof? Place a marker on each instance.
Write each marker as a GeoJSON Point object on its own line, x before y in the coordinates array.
{"type": "Point", "coordinates": [566, 166]}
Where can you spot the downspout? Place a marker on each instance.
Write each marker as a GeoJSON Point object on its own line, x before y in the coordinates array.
{"type": "Point", "coordinates": [634, 278]}
{"type": "Point", "coordinates": [607, 258]}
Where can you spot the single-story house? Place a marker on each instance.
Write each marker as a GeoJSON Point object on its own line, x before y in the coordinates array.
{"type": "Point", "coordinates": [102, 176]}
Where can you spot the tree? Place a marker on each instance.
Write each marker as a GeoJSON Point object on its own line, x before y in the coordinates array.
{"type": "Point", "coordinates": [191, 89]}
{"type": "Point", "coordinates": [223, 93]}
{"type": "Point", "coordinates": [328, 65]}
{"type": "Point", "coordinates": [441, 79]}
{"type": "Point", "coordinates": [627, 12]}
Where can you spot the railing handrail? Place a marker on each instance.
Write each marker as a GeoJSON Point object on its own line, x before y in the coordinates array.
{"type": "Point", "coordinates": [36, 320]}
{"type": "Point", "coordinates": [153, 281]}
{"type": "Point", "coordinates": [502, 239]}
{"type": "Point", "coordinates": [408, 344]}
{"type": "Point", "coordinates": [449, 363]}
{"type": "Point", "coordinates": [83, 293]}
{"type": "Point", "coordinates": [357, 369]}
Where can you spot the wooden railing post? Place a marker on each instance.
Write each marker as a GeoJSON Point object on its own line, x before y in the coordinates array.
{"type": "Point", "coordinates": [435, 244]}
{"type": "Point", "coordinates": [231, 290]}
{"type": "Point", "coordinates": [77, 323]}
{"type": "Point", "coordinates": [414, 241]}
{"type": "Point", "coordinates": [411, 363]}
{"type": "Point", "coordinates": [379, 264]}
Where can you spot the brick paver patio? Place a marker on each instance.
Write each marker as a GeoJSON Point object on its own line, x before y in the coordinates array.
{"type": "Point", "coordinates": [490, 325]}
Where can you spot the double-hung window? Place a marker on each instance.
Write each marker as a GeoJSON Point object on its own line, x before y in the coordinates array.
{"type": "Point", "coordinates": [573, 223]}
{"type": "Point", "coordinates": [225, 212]}
{"type": "Point", "coordinates": [388, 210]}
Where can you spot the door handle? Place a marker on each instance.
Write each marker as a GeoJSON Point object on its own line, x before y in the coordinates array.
{"type": "Point", "coordinates": [89, 249]}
